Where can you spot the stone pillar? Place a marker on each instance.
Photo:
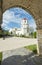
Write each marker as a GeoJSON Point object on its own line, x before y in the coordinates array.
{"type": "Point", "coordinates": [39, 45]}
{"type": "Point", "coordinates": [0, 24]}
{"type": "Point", "coordinates": [0, 16]}
{"type": "Point", "coordinates": [0, 13]}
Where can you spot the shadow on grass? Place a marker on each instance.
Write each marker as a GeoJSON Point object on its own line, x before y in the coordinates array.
{"type": "Point", "coordinates": [0, 62]}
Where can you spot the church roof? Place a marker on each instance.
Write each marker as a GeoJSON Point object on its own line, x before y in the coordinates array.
{"type": "Point", "coordinates": [24, 18]}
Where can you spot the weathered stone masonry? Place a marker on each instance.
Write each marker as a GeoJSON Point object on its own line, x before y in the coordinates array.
{"type": "Point", "coordinates": [34, 7]}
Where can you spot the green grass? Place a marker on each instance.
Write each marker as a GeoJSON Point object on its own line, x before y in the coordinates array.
{"type": "Point", "coordinates": [0, 56]}
{"type": "Point", "coordinates": [32, 48]}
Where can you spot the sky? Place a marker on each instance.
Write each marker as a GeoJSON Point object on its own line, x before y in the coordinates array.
{"type": "Point", "coordinates": [13, 17]}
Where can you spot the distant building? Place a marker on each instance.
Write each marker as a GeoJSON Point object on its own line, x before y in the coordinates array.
{"type": "Point", "coordinates": [25, 26]}
{"type": "Point", "coordinates": [24, 30]}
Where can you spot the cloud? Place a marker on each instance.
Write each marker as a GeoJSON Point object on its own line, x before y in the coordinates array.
{"type": "Point", "coordinates": [10, 16]}
{"type": "Point", "coordinates": [15, 15]}
{"type": "Point", "coordinates": [32, 23]}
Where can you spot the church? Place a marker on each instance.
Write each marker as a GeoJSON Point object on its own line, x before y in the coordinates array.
{"type": "Point", "coordinates": [24, 30]}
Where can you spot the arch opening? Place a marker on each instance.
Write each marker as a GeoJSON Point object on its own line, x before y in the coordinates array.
{"type": "Point", "coordinates": [33, 9]}
{"type": "Point", "coordinates": [14, 29]}
{"type": "Point", "coordinates": [19, 14]}
{"type": "Point", "coordinates": [19, 24]}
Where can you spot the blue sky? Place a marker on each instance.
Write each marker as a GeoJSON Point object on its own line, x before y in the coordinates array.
{"type": "Point", "coordinates": [13, 17]}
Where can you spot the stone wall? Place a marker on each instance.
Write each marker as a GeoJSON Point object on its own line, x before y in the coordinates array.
{"type": "Point", "coordinates": [0, 11]}
{"type": "Point", "coordinates": [34, 7]}
{"type": "Point", "coordinates": [39, 45]}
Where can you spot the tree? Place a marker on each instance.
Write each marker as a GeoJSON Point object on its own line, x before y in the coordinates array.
{"type": "Point", "coordinates": [35, 34]}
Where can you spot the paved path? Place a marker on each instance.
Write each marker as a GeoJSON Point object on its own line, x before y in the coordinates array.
{"type": "Point", "coordinates": [15, 42]}
{"type": "Point", "coordinates": [22, 56]}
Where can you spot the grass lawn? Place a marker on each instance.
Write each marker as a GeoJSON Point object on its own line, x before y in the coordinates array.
{"type": "Point", "coordinates": [0, 57]}
{"type": "Point", "coordinates": [32, 48]}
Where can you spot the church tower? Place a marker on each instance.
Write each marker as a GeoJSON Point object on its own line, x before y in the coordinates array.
{"type": "Point", "coordinates": [25, 27]}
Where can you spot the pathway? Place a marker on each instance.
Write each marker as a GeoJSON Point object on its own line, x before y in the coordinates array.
{"type": "Point", "coordinates": [15, 42]}
{"type": "Point", "coordinates": [22, 56]}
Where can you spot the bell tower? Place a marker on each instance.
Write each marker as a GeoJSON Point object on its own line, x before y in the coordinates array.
{"type": "Point", "coordinates": [25, 26]}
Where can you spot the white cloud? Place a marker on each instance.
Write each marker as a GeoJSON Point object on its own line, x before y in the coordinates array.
{"type": "Point", "coordinates": [10, 16]}
{"type": "Point", "coordinates": [3, 25]}
{"type": "Point", "coordinates": [32, 23]}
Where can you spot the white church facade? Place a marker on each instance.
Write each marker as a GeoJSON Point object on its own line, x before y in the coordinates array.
{"type": "Point", "coordinates": [24, 30]}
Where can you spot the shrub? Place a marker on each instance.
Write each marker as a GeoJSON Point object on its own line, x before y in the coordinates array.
{"type": "Point", "coordinates": [35, 34]}
{"type": "Point", "coordinates": [32, 48]}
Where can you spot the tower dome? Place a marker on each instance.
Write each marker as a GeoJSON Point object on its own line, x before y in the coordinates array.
{"type": "Point", "coordinates": [24, 21]}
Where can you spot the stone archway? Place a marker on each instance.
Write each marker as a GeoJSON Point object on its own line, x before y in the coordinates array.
{"type": "Point", "coordinates": [33, 6]}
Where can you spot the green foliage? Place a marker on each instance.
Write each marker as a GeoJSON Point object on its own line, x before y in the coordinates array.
{"type": "Point", "coordinates": [31, 34]}
{"type": "Point", "coordinates": [32, 48]}
{"type": "Point", "coordinates": [35, 34]}
{"type": "Point", "coordinates": [0, 56]}
{"type": "Point", "coordinates": [22, 35]}
{"type": "Point", "coordinates": [0, 32]}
